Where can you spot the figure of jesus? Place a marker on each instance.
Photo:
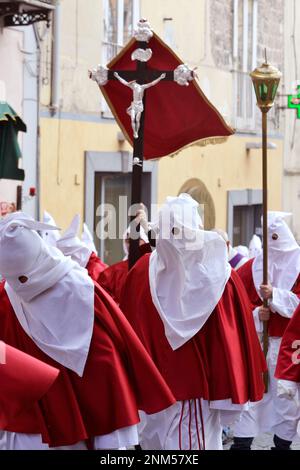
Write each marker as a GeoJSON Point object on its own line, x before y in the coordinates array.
{"type": "Point", "coordinates": [136, 108]}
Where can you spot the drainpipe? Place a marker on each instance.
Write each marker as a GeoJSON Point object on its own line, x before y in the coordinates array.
{"type": "Point", "coordinates": [38, 95]}
{"type": "Point", "coordinates": [56, 54]}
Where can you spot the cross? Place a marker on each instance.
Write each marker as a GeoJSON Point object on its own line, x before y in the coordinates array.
{"type": "Point", "coordinates": [142, 75]}
{"type": "Point", "coordinates": [294, 102]}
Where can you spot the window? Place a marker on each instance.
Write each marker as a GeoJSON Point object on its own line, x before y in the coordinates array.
{"type": "Point", "coordinates": [115, 189]}
{"type": "Point", "coordinates": [244, 58]}
{"type": "Point", "coordinates": [246, 222]}
{"type": "Point", "coordinates": [120, 19]}
{"type": "Point", "coordinates": [244, 212]}
{"type": "Point", "coordinates": [169, 33]}
{"type": "Point", "coordinates": [108, 181]}
{"type": "Point", "coordinates": [197, 189]}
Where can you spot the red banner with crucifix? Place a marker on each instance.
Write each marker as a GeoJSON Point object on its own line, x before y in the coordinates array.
{"type": "Point", "coordinates": [176, 116]}
{"type": "Point", "coordinates": [158, 104]}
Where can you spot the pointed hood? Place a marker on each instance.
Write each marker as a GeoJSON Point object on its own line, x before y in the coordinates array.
{"type": "Point", "coordinates": [188, 270]}
{"type": "Point", "coordinates": [87, 239]}
{"type": "Point", "coordinates": [283, 254]}
{"type": "Point", "coordinates": [70, 244]}
{"type": "Point", "coordinates": [50, 236]}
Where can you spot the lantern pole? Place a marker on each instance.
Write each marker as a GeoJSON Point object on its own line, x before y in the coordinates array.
{"type": "Point", "coordinates": [265, 213]}
{"type": "Point", "coordinates": [265, 228]}
{"type": "Point", "coordinates": [265, 80]}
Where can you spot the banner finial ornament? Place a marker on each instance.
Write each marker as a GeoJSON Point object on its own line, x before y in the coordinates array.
{"type": "Point", "coordinates": [183, 75]}
{"type": "Point", "coordinates": [143, 33]}
{"type": "Point", "coordinates": [143, 55]}
{"type": "Point", "coordinates": [99, 75]}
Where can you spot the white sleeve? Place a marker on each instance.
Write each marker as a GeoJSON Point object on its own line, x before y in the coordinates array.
{"type": "Point", "coordinates": [284, 302]}
{"type": "Point", "coordinates": [259, 326]}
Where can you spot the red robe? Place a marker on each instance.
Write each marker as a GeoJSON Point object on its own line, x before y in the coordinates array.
{"type": "Point", "coordinates": [95, 267]}
{"type": "Point", "coordinates": [23, 381]}
{"type": "Point", "coordinates": [119, 379]}
{"type": "Point", "coordinates": [288, 364]}
{"type": "Point", "coordinates": [223, 360]}
{"type": "Point", "coordinates": [277, 323]}
{"type": "Point", "coordinates": [114, 277]}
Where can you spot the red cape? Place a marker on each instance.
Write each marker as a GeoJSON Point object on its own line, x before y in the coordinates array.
{"type": "Point", "coordinates": [24, 380]}
{"type": "Point", "coordinates": [95, 267]}
{"type": "Point", "coordinates": [224, 360]}
{"type": "Point", "coordinates": [176, 116]}
{"type": "Point", "coordinates": [113, 279]}
{"type": "Point", "coordinates": [119, 379]}
{"type": "Point", "coordinates": [277, 323]}
{"type": "Point", "coordinates": [288, 363]}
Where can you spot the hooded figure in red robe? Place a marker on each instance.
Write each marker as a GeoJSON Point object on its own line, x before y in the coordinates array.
{"type": "Point", "coordinates": [274, 414]}
{"type": "Point", "coordinates": [190, 311]}
{"type": "Point", "coordinates": [51, 309]}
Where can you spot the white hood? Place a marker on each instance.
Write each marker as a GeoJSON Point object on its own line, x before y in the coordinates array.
{"type": "Point", "coordinates": [283, 255]}
{"type": "Point", "coordinates": [188, 270]}
{"type": "Point", "coordinates": [50, 236]}
{"type": "Point", "coordinates": [53, 298]}
{"type": "Point", "coordinates": [87, 239]}
{"type": "Point", "coordinates": [255, 246]}
{"type": "Point", "coordinates": [72, 246]}
{"type": "Point", "coordinates": [242, 250]}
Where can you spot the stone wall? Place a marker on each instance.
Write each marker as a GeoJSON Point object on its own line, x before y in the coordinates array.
{"type": "Point", "coordinates": [269, 34]}
{"type": "Point", "coordinates": [270, 31]}
{"type": "Point", "coordinates": [221, 31]}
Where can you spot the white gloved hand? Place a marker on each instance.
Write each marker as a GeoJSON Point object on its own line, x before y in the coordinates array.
{"type": "Point", "coordinates": [141, 218]}
{"type": "Point", "coordinates": [287, 389]}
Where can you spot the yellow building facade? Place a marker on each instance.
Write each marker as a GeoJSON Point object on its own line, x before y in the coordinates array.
{"type": "Point", "coordinates": [80, 139]}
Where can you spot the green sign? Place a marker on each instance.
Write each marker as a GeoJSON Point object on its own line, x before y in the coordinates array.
{"type": "Point", "coordinates": [294, 102]}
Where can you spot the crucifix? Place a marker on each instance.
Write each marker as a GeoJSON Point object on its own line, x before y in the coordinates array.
{"type": "Point", "coordinates": [136, 108]}
{"type": "Point", "coordinates": [139, 81]}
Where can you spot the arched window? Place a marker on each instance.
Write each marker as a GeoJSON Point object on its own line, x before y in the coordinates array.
{"type": "Point", "coordinates": [197, 189]}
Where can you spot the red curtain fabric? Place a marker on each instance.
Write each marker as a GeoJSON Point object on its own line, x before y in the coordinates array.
{"type": "Point", "coordinates": [176, 116]}
{"type": "Point", "coordinates": [24, 380]}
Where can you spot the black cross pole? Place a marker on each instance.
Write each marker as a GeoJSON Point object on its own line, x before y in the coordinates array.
{"type": "Point", "coordinates": [142, 75]}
